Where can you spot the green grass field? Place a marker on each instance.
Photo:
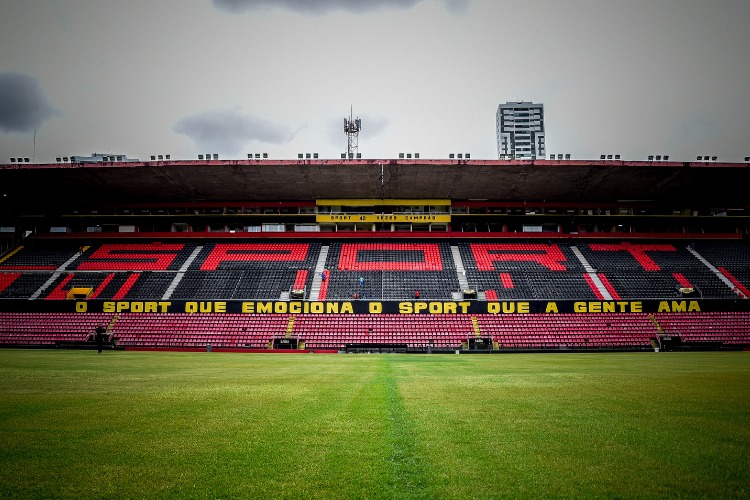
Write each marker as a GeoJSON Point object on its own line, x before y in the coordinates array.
{"type": "Point", "coordinates": [210, 425]}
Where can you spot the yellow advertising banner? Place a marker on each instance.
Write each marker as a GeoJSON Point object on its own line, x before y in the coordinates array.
{"type": "Point", "coordinates": [418, 218]}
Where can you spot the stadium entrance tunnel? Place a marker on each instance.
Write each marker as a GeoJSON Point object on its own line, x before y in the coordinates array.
{"type": "Point", "coordinates": [285, 343]}
{"type": "Point", "coordinates": [480, 344]}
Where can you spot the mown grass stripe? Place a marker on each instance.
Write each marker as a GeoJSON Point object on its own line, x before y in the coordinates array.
{"type": "Point", "coordinates": [409, 473]}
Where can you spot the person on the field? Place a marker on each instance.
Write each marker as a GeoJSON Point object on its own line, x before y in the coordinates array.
{"type": "Point", "coordinates": [100, 332]}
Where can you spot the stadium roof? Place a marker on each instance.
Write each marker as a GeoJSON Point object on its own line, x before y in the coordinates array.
{"type": "Point", "coordinates": [716, 184]}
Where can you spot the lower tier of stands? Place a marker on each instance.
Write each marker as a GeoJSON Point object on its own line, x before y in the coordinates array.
{"type": "Point", "coordinates": [336, 331]}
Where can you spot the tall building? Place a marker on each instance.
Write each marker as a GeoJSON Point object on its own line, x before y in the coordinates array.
{"type": "Point", "coordinates": [520, 131]}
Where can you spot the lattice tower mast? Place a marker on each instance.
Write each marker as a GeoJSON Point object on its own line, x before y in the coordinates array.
{"type": "Point", "coordinates": [351, 129]}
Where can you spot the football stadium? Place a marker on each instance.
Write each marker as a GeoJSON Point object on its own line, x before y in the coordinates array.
{"type": "Point", "coordinates": [349, 328]}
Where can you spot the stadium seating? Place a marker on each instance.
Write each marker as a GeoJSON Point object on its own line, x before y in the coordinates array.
{"type": "Point", "coordinates": [198, 330]}
{"type": "Point", "coordinates": [48, 329]}
{"type": "Point", "coordinates": [154, 256]}
{"type": "Point", "coordinates": [524, 271]}
{"type": "Point", "coordinates": [39, 256]}
{"type": "Point", "coordinates": [195, 270]}
{"type": "Point", "coordinates": [731, 259]}
{"type": "Point", "coordinates": [545, 331]}
{"type": "Point", "coordinates": [335, 331]}
{"type": "Point", "coordinates": [652, 271]}
{"type": "Point", "coordinates": [731, 328]}
{"type": "Point", "coordinates": [391, 271]}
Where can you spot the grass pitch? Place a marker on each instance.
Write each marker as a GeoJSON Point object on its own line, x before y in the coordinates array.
{"type": "Point", "coordinates": [217, 425]}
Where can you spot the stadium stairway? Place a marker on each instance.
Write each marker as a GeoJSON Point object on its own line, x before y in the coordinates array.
{"type": "Point", "coordinates": [55, 275]}
{"type": "Point", "coordinates": [716, 271]}
{"type": "Point", "coordinates": [319, 269]}
{"type": "Point", "coordinates": [181, 273]}
{"type": "Point", "coordinates": [460, 269]}
{"type": "Point", "coordinates": [591, 274]}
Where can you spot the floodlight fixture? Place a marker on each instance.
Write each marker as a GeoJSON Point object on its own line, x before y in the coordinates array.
{"type": "Point", "coordinates": [300, 155]}
{"type": "Point", "coordinates": [713, 158]}
{"type": "Point", "coordinates": [216, 156]}
{"type": "Point", "coordinates": [58, 159]}
{"type": "Point", "coordinates": [401, 155]}
{"type": "Point", "coordinates": [650, 157]}
{"type": "Point", "coordinates": [603, 157]}
{"type": "Point", "coordinates": [567, 156]}
{"type": "Point", "coordinates": [658, 157]}
{"type": "Point", "coordinates": [451, 156]}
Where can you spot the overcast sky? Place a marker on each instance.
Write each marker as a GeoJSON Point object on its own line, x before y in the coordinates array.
{"type": "Point", "coordinates": [187, 77]}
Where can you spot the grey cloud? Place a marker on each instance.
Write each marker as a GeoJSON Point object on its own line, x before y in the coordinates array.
{"type": "Point", "coordinates": [227, 131]}
{"type": "Point", "coordinates": [457, 6]}
{"type": "Point", "coordinates": [23, 106]}
{"type": "Point", "coordinates": [325, 6]}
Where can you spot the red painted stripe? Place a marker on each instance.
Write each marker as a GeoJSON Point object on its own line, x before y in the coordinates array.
{"type": "Point", "coordinates": [102, 286]}
{"type": "Point", "coordinates": [60, 293]}
{"type": "Point", "coordinates": [123, 291]}
{"type": "Point", "coordinates": [6, 279]}
{"type": "Point", "coordinates": [299, 282]}
{"type": "Point", "coordinates": [682, 280]}
{"type": "Point", "coordinates": [324, 286]}
{"type": "Point", "coordinates": [742, 288]}
{"type": "Point", "coordinates": [593, 287]}
{"type": "Point", "coordinates": [609, 287]}
{"type": "Point", "coordinates": [506, 280]}
{"type": "Point", "coordinates": [491, 295]}
{"type": "Point", "coordinates": [348, 260]}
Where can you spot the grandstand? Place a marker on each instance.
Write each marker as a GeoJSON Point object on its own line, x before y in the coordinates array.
{"type": "Point", "coordinates": [320, 255]}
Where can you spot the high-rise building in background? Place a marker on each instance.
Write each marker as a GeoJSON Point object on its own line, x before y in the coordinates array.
{"type": "Point", "coordinates": [520, 131]}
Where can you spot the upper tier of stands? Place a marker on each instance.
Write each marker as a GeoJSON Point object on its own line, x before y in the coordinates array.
{"type": "Point", "coordinates": [393, 270]}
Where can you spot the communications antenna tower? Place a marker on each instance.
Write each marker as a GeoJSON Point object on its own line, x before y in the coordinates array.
{"type": "Point", "coordinates": [351, 129]}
